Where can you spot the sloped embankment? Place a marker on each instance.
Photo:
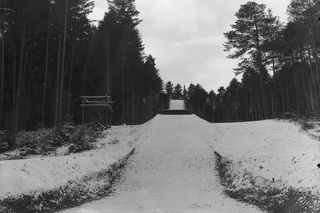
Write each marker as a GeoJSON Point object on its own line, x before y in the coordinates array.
{"type": "Point", "coordinates": [47, 184]}
{"type": "Point", "coordinates": [270, 198]}
{"type": "Point", "coordinates": [75, 192]}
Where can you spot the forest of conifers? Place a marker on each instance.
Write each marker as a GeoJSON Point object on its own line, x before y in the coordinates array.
{"type": "Point", "coordinates": [278, 66]}
{"type": "Point", "coordinates": [51, 54]}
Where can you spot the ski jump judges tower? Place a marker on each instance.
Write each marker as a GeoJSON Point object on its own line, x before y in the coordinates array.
{"type": "Point", "coordinates": [100, 105]}
{"type": "Point", "coordinates": [176, 107]}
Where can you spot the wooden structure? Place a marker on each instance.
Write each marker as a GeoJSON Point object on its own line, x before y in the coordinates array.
{"type": "Point", "coordinates": [99, 104]}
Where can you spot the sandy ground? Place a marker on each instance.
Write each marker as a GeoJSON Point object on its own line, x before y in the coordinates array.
{"type": "Point", "coordinates": [172, 171]}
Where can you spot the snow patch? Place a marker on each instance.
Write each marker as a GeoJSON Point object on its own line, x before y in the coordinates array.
{"type": "Point", "coordinates": [46, 173]}
{"type": "Point", "coordinates": [177, 105]}
{"type": "Point", "coordinates": [276, 151]}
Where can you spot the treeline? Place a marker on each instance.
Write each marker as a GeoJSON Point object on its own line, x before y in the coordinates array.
{"type": "Point", "coordinates": [279, 66]}
{"type": "Point", "coordinates": [279, 63]}
{"type": "Point", "coordinates": [51, 54]}
{"type": "Point", "coordinates": [196, 98]}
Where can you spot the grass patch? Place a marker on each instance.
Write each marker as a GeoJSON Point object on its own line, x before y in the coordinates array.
{"type": "Point", "coordinates": [4, 141]}
{"type": "Point", "coordinates": [307, 125]}
{"type": "Point", "coordinates": [45, 141]}
{"type": "Point", "coordinates": [267, 198]}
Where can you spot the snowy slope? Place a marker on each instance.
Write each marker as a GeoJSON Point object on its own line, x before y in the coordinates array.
{"type": "Point", "coordinates": [45, 173]}
{"type": "Point", "coordinates": [173, 166]}
{"type": "Point", "coordinates": [274, 152]}
{"type": "Point", "coordinates": [177, 105]}
{"type": "Point", "coordinates": [172, 171]}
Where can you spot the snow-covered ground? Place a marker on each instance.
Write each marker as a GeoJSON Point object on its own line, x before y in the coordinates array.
{"type": "Point", "coordinates": [278, 153]}
{"type": "Point", "coordinates": [45, 173]}
{"type": "Point", "coordinates": [173, 168]}
{"type": "Point", "coordinates": [177, 105]}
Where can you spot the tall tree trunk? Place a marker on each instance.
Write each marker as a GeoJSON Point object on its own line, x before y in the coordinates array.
{"type": "Point", "coordinates": [70, 80]}
{"type": "Point", "coordinates": [315, 58]}
{"type": "Point", "coordinates": [261, 69]}
{"type": "Point", "coordinates": [21, 98]}
{"type": "Point", "coordinates": [288, 97]}
{"type": "Point", "coordinates": [297, 91]}
{"type": "Point", "coordinates": [305, 92]}
{"type": "Point", "coordinates": [272, 104]}
{"type": "Point", "coordinates": [251, 105]}
{"type": "Point", "coordinates": [123, 91]}
{"type": "Point", "coordinates": [282, 99]}
{"type": "Point", "coordinates": [308, 85]}
{"type": "Point", "coordinates": [313, 81]}
{"type": "Point", "coordinates": [63, 64]}
{"type": "Point", "coordinates": [13, 88]}
{"type": "Point", "coordinates": [44, 92]}
{"type": "Point", "coordinates": [246, 110]}
{"type": "Point", "coordinates": [260, 111]}
{"type": "Point", "coordinates": [108, 67]}
{"type": "Point", "coordinates": [16, 113]}
{"type": "Point", "coordinates": [263, 106]}
{"type": "Point", "coordinates": [132, 103]}
{"type": "Point", "coordinates": [2, 80]}
{"type": "Point", "coordinates": [312, 102]}
{"type": "Point", "coordinates": [274, 84]}
{"type": "Point", "coordinates": [273, 30]}
{"type": "Point", "coordinates": [56, 124]}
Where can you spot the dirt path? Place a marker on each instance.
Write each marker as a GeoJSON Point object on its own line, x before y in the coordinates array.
{"type": "Point", "coordinates": [171, 171]}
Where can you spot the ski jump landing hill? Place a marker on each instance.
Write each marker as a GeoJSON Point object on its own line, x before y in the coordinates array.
{"type": "Point", "coordinates": [176, 107]}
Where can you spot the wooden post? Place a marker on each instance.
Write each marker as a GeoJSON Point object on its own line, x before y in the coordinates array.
{"type": "Point", "coordinates": [108, 66]}
{"type": "Point", "coordinates": [110, 120]}
{"type": "Point", "coordinates": [106, 98]}
{"type": "Point", "coordinates": [107, 117]}
{"type": "Point", "coordinates": [82, 110]}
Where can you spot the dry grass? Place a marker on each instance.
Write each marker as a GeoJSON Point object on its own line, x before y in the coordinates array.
{"type": "Point", "coordinates": [46, 141]}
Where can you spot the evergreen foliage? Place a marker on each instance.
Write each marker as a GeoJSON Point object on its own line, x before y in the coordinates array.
{"type": "Point", "coordinates": [51, 54]}
{"type": "Point", "coordinates": [279, 66]}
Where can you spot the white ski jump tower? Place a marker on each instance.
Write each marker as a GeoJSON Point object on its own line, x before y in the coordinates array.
{"type": "Point", "coordinates": [176, 106]}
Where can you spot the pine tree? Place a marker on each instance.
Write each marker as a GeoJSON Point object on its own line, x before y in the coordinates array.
{"type": "Point", "coordinates": [177, 92]}
{"type": "Point", "coordinates": [246, 38]}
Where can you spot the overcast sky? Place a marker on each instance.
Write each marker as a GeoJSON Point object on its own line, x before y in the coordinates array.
{"type": "Point", "coordinates": [186, 37]}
